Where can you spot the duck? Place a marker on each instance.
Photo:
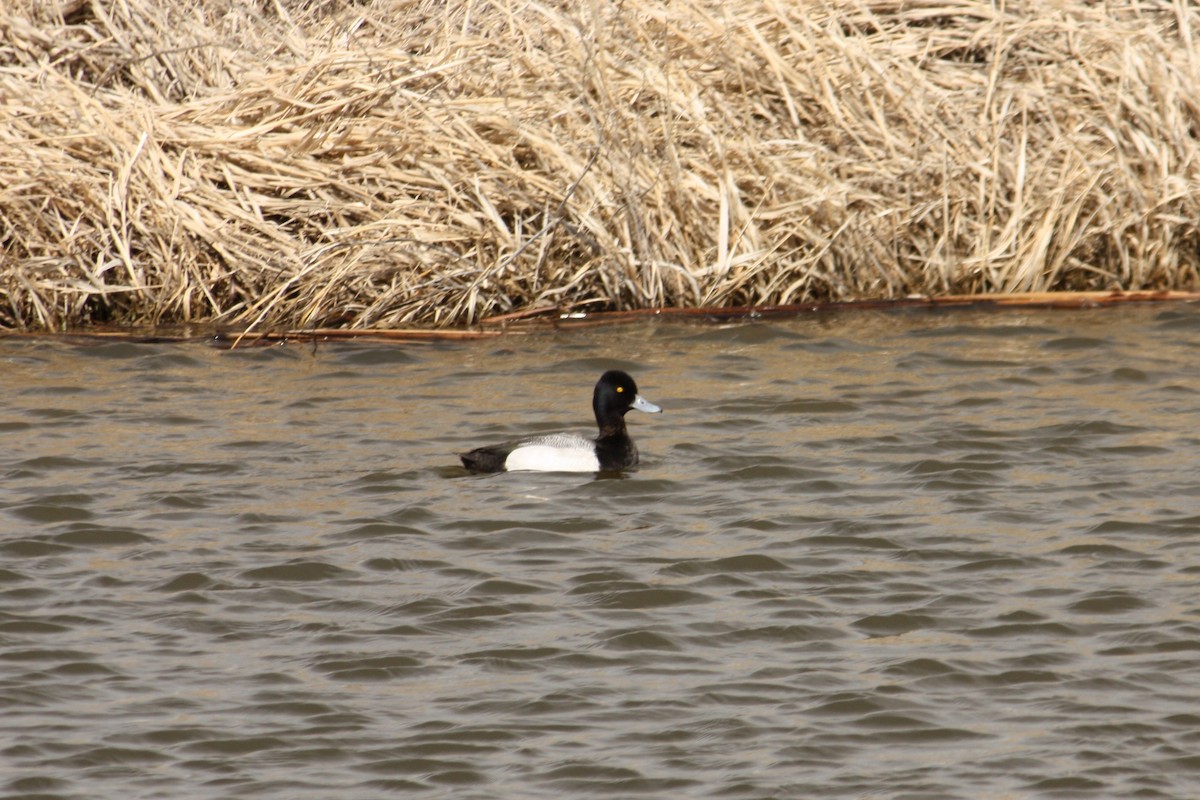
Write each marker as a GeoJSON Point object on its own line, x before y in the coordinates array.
{"type": "Point", "coordinates": [611, 451]}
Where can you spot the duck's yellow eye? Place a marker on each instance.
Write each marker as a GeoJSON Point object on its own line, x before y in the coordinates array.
{"type": "Point", "coordinates": [620, 388]}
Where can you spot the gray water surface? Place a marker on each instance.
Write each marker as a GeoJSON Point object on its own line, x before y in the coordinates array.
{"type": "Point", "coordinates": [887, 555]}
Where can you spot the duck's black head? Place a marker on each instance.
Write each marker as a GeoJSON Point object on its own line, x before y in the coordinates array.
{"type": "Point", "coordinates": [615, 394]}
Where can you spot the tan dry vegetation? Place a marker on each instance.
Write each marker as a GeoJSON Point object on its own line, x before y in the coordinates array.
{"type": "Point", "coordinates": [391, 162]}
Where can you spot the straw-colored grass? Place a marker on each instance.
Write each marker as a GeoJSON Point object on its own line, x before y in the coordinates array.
{"type": "Point", "coordinates": [391, 162]}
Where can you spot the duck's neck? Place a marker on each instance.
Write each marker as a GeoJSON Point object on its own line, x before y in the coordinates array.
{"type": "Point", "coordinates": [609, 424]}
{"type": "Point", "coordinates": [612, 429]}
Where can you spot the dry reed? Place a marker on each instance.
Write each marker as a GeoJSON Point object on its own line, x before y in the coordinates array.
{"type": "Point", "coordinates": [400, 162]}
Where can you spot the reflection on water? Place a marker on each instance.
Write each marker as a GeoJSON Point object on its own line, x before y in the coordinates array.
{"type": "Point", "coordinates": [935, 555]}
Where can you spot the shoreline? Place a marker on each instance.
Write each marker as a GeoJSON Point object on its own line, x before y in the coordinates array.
{"type": "Point", "coordinates": [544, 321]}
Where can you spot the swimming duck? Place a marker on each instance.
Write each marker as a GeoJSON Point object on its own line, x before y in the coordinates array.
{"type": "Point", "coordinates": [612, 450]}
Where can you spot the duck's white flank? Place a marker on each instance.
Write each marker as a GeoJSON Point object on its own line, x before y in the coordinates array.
{"type": "Point", "coordinates": [558, 453]}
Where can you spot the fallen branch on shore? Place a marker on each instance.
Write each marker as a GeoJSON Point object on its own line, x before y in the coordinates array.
{"type": "Point", "coordinates": [1063, 300]}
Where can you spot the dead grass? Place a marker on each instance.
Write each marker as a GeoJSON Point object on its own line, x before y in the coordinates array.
{"type": "Point", "coordinates": [390, 163]}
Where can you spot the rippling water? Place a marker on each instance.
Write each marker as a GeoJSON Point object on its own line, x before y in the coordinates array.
{"type": "Point", "coordinates": [903, 555]}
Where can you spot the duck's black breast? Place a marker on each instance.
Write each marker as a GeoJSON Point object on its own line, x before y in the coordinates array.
{"type": "Point", "coordinates": [616, 452]}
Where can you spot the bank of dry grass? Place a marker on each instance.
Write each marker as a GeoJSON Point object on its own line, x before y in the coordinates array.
{"type": "Point", "coordinates": [386, 162]}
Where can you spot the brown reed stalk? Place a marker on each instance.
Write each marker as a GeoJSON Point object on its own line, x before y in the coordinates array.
{"type": "Point", "coordinates": [403, 162]}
